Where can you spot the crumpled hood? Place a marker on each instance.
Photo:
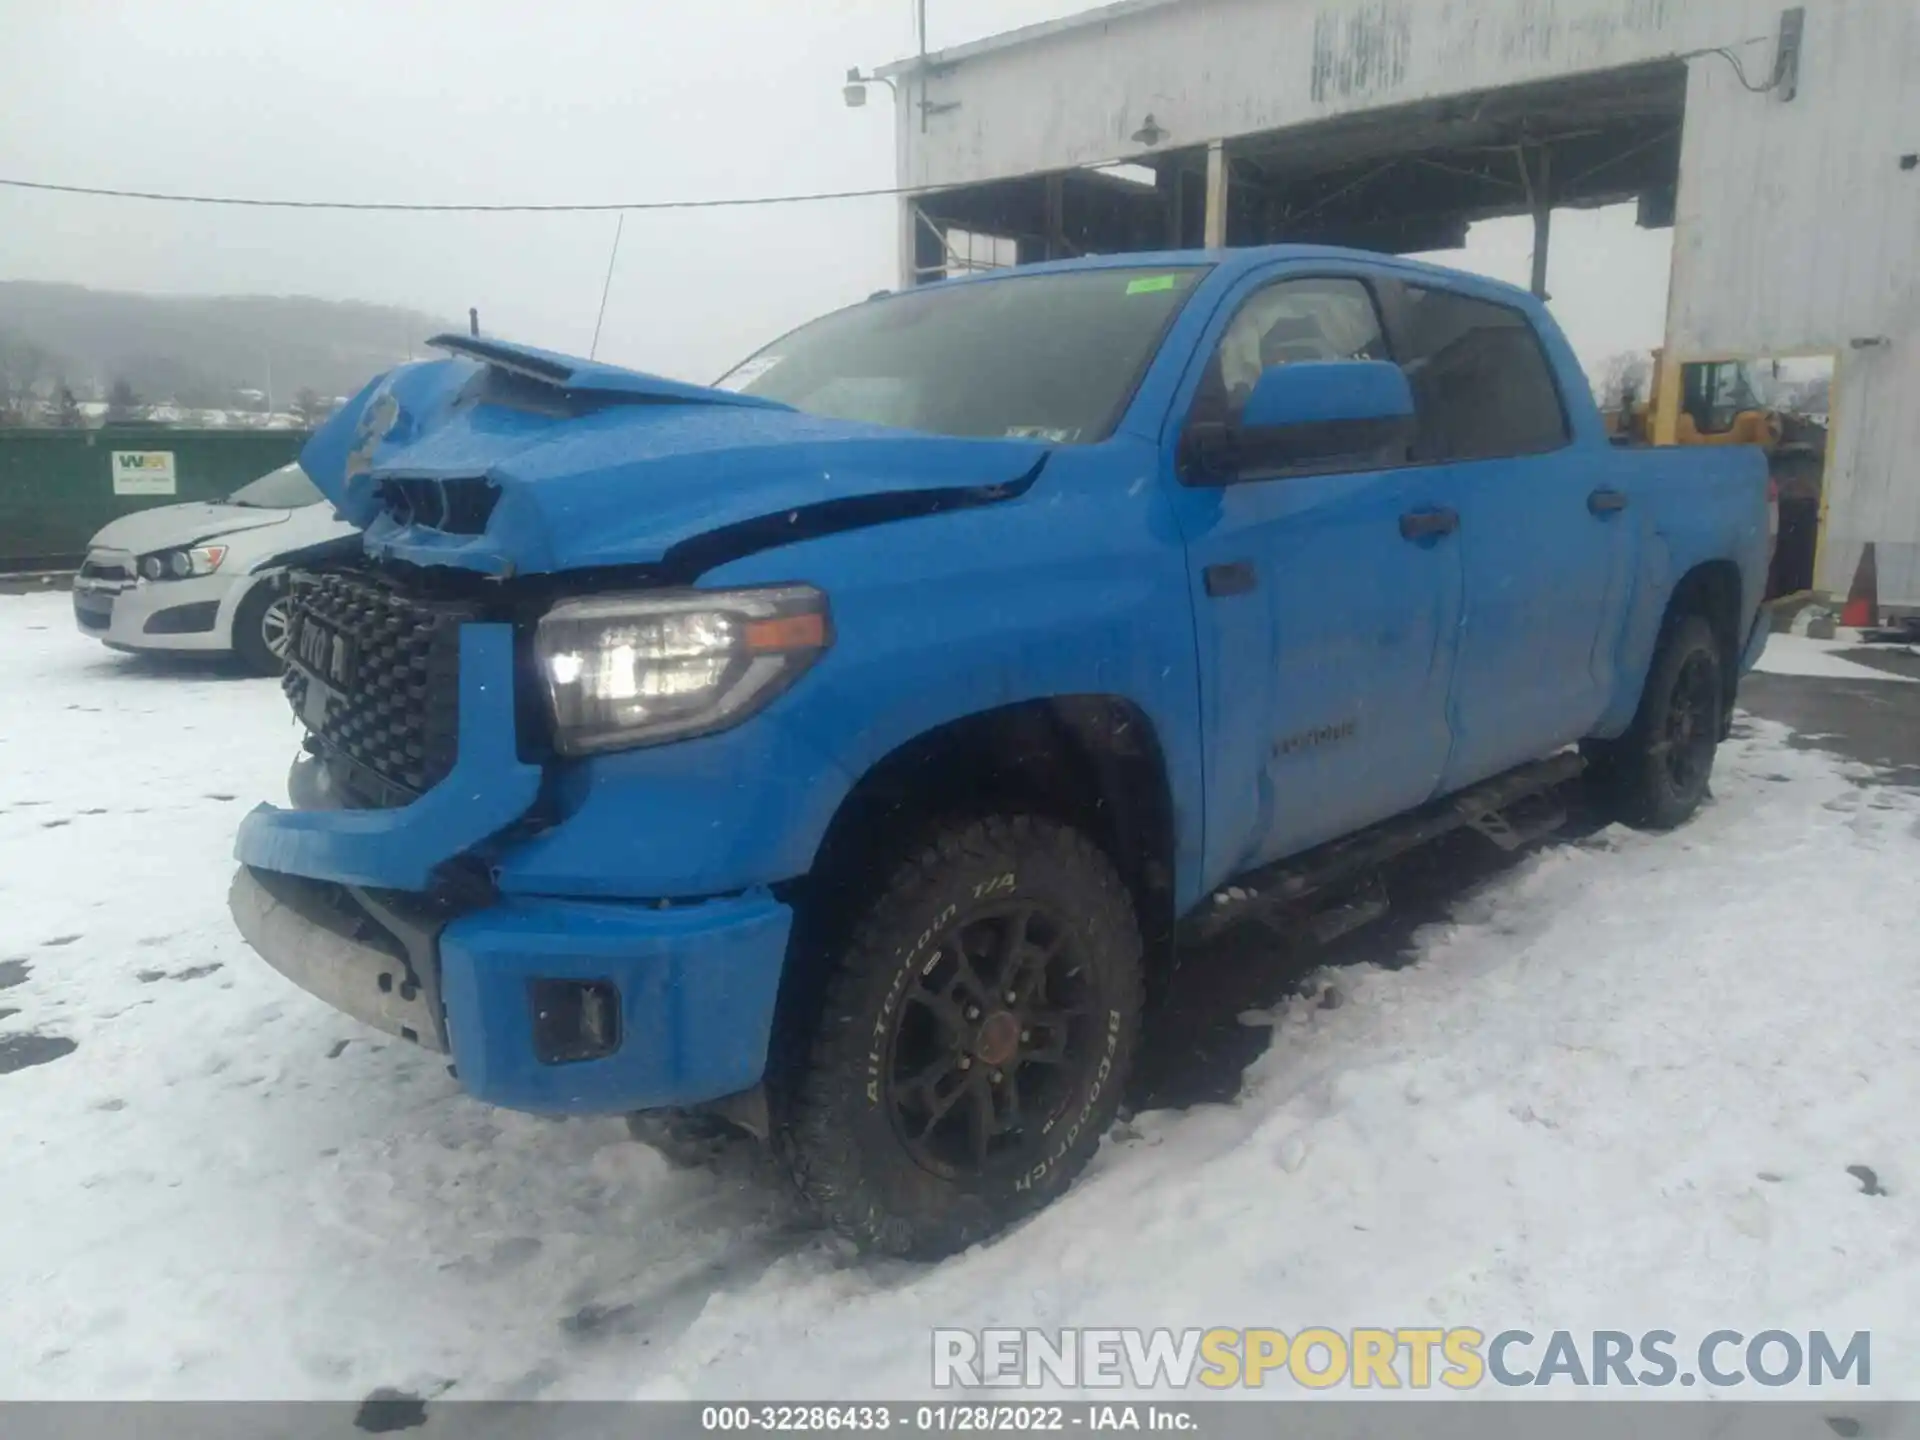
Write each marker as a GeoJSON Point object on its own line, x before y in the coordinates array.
{"type": "Point", "coordinates": [526, 462]}
{"type": "Point", "coordinates": [167, 527]}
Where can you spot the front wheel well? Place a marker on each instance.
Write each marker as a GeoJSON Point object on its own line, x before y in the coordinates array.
{"type": "Point", "coordinates": [1093, 762]}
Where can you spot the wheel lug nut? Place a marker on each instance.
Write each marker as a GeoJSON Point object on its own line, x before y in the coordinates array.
{"type": "Point", "coordinates": [997, 1077]}
{"type": "Point", "coordinates": [973, 1012]}
{"type": "Point", "coordinates": [1012, 997]}
{"type": "Point", "coordinates": [966, 1062]}
{"type": "Point", "coordinates": [1025, 1036]}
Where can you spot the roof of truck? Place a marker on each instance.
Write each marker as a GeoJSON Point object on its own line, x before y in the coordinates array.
{"type": "Point", "coordinates": [1234, 261]}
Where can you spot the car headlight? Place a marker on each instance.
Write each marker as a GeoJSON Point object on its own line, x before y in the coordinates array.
{"type": "Point", "coordinates": [627, 670]}
{"type": "Point", "coordinates": [183, 564]}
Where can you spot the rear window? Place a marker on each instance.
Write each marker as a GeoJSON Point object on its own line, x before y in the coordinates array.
{"type": "Point", "coordinates": [1481, 381]}
{"type": "Point", "coordinates": [1052, 356]}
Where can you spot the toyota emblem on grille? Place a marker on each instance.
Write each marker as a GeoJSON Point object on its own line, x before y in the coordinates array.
{"type": "Point", "coordinates": [324, 653]}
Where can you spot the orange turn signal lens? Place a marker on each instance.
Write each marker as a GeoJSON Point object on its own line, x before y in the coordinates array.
{"type": "Point", "coordinates": [788, 632]}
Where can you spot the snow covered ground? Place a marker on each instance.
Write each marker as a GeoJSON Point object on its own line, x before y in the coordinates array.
{"type": "Point", "coordinates": [1818, 659]}
{"type": "Point", "coordinates": [1621, 1089]}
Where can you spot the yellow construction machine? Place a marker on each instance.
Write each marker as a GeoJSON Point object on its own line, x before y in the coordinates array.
{"type": "Point", "coordinates": [1719, 402]}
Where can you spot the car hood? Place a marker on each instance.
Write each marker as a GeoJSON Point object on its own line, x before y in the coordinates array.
{"type": "Point", "coordinates": [509, 460]}
{"type": "Point", "coordinates": [167, 527]}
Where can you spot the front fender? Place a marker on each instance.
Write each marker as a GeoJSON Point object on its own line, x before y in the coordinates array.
{"type": "Point", "coordinates": [1077, 587]}
{"type": "Point", "coordinates": [1062, 591]}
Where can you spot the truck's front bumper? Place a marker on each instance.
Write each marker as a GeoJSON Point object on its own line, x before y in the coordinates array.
{"type": "Point", "coordinates": [672, 1001]}
{"type": "Point", "coordinates": [692, 986]}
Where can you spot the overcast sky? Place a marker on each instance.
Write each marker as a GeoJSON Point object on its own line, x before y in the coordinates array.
{"type": "Point", "coordinates": [537, 101]}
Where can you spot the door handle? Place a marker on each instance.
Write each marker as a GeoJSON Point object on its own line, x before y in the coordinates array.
{"type": "Point", "coordinates": [1606, 502]}
{"type": "Point", "coordinates": [1424, 524]}
{"type": "Point", "coordinates": [1235, 578]}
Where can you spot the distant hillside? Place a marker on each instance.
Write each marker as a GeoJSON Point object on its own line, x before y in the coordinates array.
{"type": "Point", "coordinates": [199, 351]}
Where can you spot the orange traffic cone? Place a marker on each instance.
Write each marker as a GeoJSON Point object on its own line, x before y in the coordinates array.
{"type": "Point", "coordinates": [1862, 610]}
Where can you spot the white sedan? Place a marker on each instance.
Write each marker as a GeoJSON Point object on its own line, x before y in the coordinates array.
{"type": "Point", "coordinates": [204, 578]}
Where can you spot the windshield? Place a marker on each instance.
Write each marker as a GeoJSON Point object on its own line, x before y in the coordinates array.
{"type": "Point", "coordinates": [1050, 356]}
{"type": "Point", "coordinates": [287, 488]}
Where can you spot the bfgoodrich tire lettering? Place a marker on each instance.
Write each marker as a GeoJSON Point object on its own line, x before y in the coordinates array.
{"type": "Point", "coordinates": [974, 1040]}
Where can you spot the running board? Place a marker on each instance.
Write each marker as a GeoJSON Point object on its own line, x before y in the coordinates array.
{"type": "Point", "coordinates": [1264, 893]}
{"type": "Point", "coordinates": [1348, 913]}
{"type": "Point", "coordinates": [1525, 821]}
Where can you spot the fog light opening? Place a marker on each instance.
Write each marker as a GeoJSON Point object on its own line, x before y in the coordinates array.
{"type": "Point", "coordinates": [574, 1020]}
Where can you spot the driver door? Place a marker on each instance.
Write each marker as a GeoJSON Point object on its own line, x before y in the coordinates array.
{"type": "Point", "coordinates": [1326, 623]}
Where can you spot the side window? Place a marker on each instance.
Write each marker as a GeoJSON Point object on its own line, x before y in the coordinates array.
{"type": "Point", "coordinates": [1715, 395]}
{"type": "Point", "coordinates": [1311, 319]}
{"type": "Point", "coordinates": [1480, 379]}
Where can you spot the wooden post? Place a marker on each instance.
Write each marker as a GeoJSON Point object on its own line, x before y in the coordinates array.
{"type": "Point", "coordinates": [1056, 220]}
{"type": "Point", "coordinates": [1542, 188]}
{"type": "Point", "coordinates": [907, 239]}
{"type": "Point", "coordinates": [1216, 232]}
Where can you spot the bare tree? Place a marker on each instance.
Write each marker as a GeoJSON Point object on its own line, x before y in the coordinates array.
{"type": "Point", "coordinates": [123, 404]}
{"type": "Point", "coordinates": [22, 367]}
{"type": "Point", "coordinates": [1624, 379]}
{"type": "Point", "coordinates": [66, 409]}
{"type": "Point", "coordinates": [311, 409]}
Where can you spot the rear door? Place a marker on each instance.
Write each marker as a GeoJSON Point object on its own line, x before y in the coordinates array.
{"type": "Point", "coordinates": [1325, 621]}
{"type": "Point", "coordinates": [1543, 540]}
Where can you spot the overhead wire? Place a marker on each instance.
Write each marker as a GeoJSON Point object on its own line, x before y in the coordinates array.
{"type": "Point", "coordinates": [464, 207]}
{"type": "Point", "coordinates": [876, 192]}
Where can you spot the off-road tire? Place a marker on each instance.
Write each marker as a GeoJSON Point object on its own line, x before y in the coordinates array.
{"type": "Point", "coordinates": [837, 1125]}
{"type": "Point", "coordinates": [1634, 777]}
{"type": "Point", "coordinates": [249, 637]}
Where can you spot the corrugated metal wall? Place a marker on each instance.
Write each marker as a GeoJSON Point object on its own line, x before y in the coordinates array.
{"type": "Point", "coordinates": [56, 486]}
{"type": "Point", "coordinates": [1799, 231]}
{"type": "Point", "coordinates": [1211, 69]}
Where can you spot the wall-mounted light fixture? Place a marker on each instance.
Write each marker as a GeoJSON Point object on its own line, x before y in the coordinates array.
{"type": "Point", "coordinates": [854, 92]}
{"type": "Point", "coordinates": [1149, 133]}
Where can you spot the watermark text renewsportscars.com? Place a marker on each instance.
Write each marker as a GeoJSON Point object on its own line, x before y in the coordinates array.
{"type": "Point", "coordinates": [1406, 1358]}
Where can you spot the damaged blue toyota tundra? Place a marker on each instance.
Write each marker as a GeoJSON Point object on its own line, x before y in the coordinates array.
{"type": "Point", "coordinates": [840, 753]}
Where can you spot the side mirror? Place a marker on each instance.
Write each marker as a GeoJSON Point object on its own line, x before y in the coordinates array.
{"type": "Point", "coordinates": [1312, 415]}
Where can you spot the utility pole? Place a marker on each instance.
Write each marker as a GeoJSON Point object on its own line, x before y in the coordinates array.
{"type": "Point", "coordinates": [920, 27]}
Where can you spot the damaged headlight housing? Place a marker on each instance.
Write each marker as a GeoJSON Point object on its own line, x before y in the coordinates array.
{"type": "Point", "coordinates": [639, 669]}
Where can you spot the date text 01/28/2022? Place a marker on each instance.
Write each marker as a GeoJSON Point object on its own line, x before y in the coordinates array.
{"type": "Point", "coordinates": [944, 1419]}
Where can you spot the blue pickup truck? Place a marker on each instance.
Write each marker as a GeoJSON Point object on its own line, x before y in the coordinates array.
{"type": "Point", "coordinates": [840, 752]}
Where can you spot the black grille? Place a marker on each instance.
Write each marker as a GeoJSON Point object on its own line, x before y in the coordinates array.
{"type": "Point", "coordinates": [390, 724]}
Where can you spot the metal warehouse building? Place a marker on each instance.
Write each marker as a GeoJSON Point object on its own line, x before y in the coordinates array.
{"type": "Point", "coordinates": [1783, 146]}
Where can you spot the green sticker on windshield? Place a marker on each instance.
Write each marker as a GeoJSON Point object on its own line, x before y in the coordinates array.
{"type": "Point", "coordinates": [1148, 284]}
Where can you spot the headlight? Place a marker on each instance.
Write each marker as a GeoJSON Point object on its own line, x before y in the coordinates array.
{"type": "Point", "coordinates": [183, 564]}
{"type": "Point", "coordinates": [626, 670]}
